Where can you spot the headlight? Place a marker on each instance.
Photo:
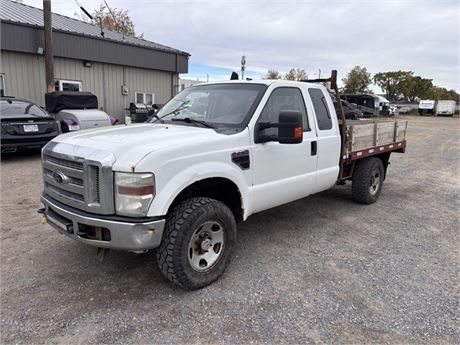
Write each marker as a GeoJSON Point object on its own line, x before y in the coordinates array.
{"type": "Point", "coordinates": [133, 193]}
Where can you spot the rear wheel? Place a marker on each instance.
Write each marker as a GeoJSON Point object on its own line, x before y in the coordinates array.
{"type": "Point", "coordinates": [197, 243]}
{"type": "Point", "coordinates": [367, 180]}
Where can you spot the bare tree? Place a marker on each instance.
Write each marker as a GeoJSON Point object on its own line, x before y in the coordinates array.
{"type": "Point", "coordinates": [114, 19]}
{"type": "Point", "coordinates": [272, 74]}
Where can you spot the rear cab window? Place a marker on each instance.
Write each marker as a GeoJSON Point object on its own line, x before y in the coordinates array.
{"type": "Point", "coordinates": [322, 113]}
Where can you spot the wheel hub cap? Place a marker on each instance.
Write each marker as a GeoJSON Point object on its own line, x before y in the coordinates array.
{"type": "Point", "coordinates": [374, 182]}
{"type": "Point", "coordinates": [206, 246]}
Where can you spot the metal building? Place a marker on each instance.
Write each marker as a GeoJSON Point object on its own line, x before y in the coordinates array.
{"type": "Point", "coordinates": [118, 69]}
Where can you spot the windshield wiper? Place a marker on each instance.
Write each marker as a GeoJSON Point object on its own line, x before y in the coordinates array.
{"type": "Point", "coordinates": [190, 120]}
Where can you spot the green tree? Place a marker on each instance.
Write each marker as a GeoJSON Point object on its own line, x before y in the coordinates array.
{"type": "Point", "coordinates": [415, 87]}
{"type": "Point", "coordinates": [119, 21]}
{"type": "Point", "coordinates": [438, 93]}
{"type": "Point", "coordinates": [357, 80]}
{"type": "Point", "coordinates": [296, 74]}
{"type": "Point", "coordinates": [272, 74]}
{"type": "Point", "coordinates": [392, 83]}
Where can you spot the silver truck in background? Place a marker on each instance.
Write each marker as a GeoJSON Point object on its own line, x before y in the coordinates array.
{"type": "Point", "coordinates": [76, 110]}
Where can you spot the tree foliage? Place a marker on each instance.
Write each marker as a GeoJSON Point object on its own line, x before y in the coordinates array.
{"type": "Point", "coordinates": [119, 22]}
{"type": "Point", "coordinates": [357, 80]}
{"type": "Point", "coordinates": [415, 87]}
{"type": "Point", "coordinates": [296, 74]}
{"type": "Point", "coordinates": [272, 74]}
{"type": "Point", "coordinates": [392, 83]}
{"type": "Point", "coordinates": [438, 93]}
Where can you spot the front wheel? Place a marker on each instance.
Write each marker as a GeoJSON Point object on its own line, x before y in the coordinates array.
{"type": "Point", "coordinates": [197, 243]}
{"type": "Point", "coordinates": [367, 180]}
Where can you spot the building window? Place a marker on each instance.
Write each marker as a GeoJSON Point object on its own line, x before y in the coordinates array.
{"type": "Point", "coordinates": [2, 85]}
{"type": "Point", "coordinates": [68, 85]}
{"type": "Point", "coordinates": [145, 98]}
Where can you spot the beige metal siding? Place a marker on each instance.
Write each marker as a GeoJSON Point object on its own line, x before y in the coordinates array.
{"type": "Point", "coordinates": [25, 78]}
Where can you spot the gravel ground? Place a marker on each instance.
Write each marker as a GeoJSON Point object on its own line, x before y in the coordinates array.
{"type": "Point", "coordinates": [320, 270]}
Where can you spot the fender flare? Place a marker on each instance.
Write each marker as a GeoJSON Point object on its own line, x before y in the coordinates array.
{"type": "Point", "coordinates": [175, 185]}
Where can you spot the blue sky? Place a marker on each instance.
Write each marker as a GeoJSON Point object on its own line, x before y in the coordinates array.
{"type": "Point", "coordinates": [204, 72]}
{"type": "Point", "coordinates": [417, 35]}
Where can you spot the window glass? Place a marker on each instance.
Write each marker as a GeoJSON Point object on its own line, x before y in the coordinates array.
{"type": "Point", "coordinates": [67, 85]}
{"type": "Point", "coordinates": [13, 107]}
{"type": "Point", "coordinates": [283, 99]}
{"type": "Point", "coordinates": [148, 99]}
{"type": "Point", "coordinates": [2, 85]}
{"type": "Point", "coordinates": [321, 110]}
{"type": "Point", "coordinates": [139, 97]}
{"type": "Point", "coordinates": [220, 104]}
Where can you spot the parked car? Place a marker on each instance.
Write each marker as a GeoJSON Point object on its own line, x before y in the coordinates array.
{"type": "Point", "coordinates": [76, 110]}
{"type": "Point", "coordinates": [393, 110]}
{"type": "Point", "coordinates": [405, 110]}
{"type": "Point", "coordinates": [182, 182]}
{"type": "Point", "coordinates": [25, 125]}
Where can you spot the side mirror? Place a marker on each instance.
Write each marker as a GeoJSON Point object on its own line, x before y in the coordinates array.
{"type": "Point", "coordinates": [290, 127]}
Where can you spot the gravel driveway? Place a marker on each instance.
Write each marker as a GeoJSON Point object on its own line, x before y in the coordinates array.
{"type": "Point", "coordinates": [320, 270]}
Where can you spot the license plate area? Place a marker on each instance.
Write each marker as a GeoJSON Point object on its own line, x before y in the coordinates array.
{"type": "Point", "coordinates": [30, 128]}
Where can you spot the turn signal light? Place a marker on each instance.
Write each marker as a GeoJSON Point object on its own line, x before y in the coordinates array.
{"type": "Point", "coordinates": [298, 131]}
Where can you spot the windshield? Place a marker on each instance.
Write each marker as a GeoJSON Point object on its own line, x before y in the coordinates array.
{"type": "Point", "coordinates": [224, 105]}
{"type": "Point", "coordinates": [15, 108]}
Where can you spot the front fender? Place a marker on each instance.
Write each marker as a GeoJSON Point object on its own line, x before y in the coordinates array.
{"type": "Point", "coordinates": [167, 193]}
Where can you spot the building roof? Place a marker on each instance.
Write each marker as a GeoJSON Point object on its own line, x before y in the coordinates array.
{"type": "Point", "coordinates": [14, 12]}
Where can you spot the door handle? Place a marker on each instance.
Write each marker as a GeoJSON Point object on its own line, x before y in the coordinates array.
{"type": "Point", "coordinates": [314, 147]}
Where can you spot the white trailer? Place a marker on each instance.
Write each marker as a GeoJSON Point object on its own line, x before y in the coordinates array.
{"type": "Point", "coordinates": [427, 107]}
{"type": "Point", "coordinates": [445, 107]}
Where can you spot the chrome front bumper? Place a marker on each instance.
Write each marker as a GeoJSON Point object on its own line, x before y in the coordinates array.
{"type": "Point", "coordinates": [104, 233]}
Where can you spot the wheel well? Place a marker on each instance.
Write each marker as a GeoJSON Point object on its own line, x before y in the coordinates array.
{"type": "Point", "coordinates": [384, 157]}
{"type": "Point", "coordinates": [217, 188]}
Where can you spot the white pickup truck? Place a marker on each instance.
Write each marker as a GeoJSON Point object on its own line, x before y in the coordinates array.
{"type": "Point", "coordinates": [211, 157]}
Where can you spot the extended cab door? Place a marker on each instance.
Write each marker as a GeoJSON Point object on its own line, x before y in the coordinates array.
{"type": "Point", "coordinates": [283, 172]}
{"type": "Point", "coordinates": [328, 133]}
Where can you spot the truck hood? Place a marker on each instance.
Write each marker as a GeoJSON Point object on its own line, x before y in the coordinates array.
{"type": "Point", "coordinates": [129, 144]}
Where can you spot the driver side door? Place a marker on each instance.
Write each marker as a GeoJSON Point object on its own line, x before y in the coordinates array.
{"type": "Point", "coordinates": [283, 172]}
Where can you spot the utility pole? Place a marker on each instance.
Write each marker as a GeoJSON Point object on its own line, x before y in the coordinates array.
{"type": "Point", "coordinates": [49, 59]}
{"type": "Point", "coordinates": [243, 66]}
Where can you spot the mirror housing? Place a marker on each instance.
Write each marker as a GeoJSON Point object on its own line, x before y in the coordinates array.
{"type": "Point", "coordinates": [290, 129]}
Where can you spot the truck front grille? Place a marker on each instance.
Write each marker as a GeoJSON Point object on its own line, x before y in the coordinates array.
{"type": "Point", "coordinates": [59, 162]}
{"type": "Point", "coordinates": [65, 193]}
{"type": "Point", "coordinates": [77, 182]}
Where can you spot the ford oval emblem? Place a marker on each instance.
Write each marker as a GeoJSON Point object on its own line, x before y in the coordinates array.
{"type": "Point", "coordinates": [61, 178]}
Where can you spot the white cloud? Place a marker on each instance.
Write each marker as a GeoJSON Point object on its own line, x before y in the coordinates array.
{"type": "Point", "coordinates": [422, 36]}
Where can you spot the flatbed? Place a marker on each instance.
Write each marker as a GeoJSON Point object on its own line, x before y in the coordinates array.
{"type": "Point", "coordinates": [364, 138]}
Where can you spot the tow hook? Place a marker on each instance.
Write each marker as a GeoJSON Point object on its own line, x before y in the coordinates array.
{"type": "Point", "coordinates": [43, 219]}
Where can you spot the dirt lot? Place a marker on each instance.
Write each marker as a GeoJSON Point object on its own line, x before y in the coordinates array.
{"type": "Point", "coordinates": [319, 270]}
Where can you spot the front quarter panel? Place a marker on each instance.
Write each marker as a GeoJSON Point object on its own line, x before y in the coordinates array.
{"type": "Point", "coordinates": [178, 182]}
{"type": "Point", "coordinates": [179, 167]}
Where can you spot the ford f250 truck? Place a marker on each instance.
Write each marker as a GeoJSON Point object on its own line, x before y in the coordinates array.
{"type": "Point", "coordinates": [211, 157]}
